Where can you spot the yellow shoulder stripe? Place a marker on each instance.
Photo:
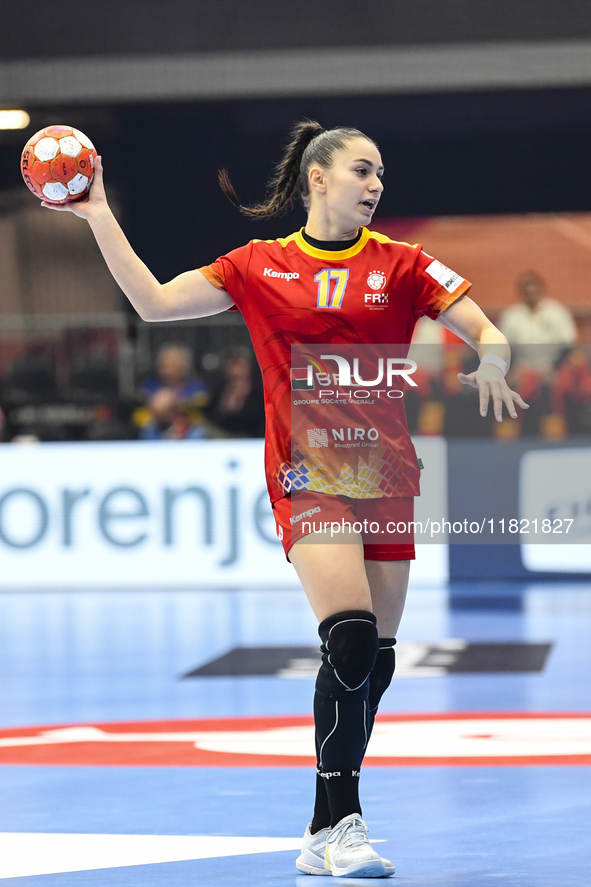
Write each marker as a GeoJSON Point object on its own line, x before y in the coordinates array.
{"type": "Point", "coordinates": [285, 240]}
{"type": "Point", "coordinates": [381, 238]}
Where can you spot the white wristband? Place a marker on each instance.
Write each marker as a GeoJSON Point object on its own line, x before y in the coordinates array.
{"type": "Point", "coordinates": [496, 361]}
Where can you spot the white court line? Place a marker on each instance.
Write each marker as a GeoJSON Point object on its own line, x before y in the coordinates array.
{"type": "Point", "coordinates": [23, 854]}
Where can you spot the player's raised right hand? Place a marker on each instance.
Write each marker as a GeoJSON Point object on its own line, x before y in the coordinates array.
{"type": "Point", "coordinates": [94, 203]}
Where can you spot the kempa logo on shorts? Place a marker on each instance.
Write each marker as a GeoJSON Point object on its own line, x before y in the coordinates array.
{"type": "Point", "coordinates": [284, 275]}
{"type": "Point", "coordinates": [299, 517]}
{"type": "Point", "coordinates": [330, 775]}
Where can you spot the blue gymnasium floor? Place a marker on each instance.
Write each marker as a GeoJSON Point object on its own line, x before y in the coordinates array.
{"type": "Point", "coordinates": [104, 659]}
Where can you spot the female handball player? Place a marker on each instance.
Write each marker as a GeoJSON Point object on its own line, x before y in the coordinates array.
{"type": "Point", "coordinates": [311, 289]}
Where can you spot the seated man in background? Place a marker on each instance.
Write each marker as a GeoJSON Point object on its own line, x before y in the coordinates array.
{"type": "Point", "coordinates": [539, 328]}
{"type": "Point", "coordinates": [174, 401]}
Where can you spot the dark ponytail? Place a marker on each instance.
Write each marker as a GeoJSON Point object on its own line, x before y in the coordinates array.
{"type": "Point", "coordinates": [309, 143]}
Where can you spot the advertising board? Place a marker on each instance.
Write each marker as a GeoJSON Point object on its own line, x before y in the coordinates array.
{"type": "Point", "coordinates": [167, 514]}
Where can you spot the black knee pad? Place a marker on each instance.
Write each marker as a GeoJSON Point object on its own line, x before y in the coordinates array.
{"type": "Point", "coordinates": [349, 647]}
{"type": "Point", "coordinates": [382, 672]}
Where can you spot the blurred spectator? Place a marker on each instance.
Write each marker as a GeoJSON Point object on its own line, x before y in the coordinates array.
{"type": "Point", "coordinates": [236, 408]}
{"type": "Point", "coordinates": [529, 383]}
{"type": "Point", "coordinates": [538, 326]}
{"type": "Point", "coordinates": [175, 400]}
{"type": "Point", "coordinates": [570, 391]}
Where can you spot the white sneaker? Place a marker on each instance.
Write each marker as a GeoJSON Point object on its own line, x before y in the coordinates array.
{"type": "Point", "coordinates": [348, 852]}
{"type": "Point", "coordinates": [312, 859]}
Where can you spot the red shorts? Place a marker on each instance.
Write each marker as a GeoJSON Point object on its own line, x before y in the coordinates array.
{"type": "Point", "coordinates": [384, 524]}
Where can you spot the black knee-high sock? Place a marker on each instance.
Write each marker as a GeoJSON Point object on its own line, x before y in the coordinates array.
{"type": "Point", "coordinates": [379, 681]}
{"type": "Point", "coordinates": [341, 710]}
{"type": "Point", "coordinates": [321, 817]}
{"type": "Point", "coordinates": [344, 726]}
{"type": "Point", "coordinates": [381, 677]}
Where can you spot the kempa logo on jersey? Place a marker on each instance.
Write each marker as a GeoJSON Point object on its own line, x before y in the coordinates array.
{"type": "Point", "coordinates": [318, 437]}
{"type": "Point", "coordinates": [283, 275]}
{"type": "Point", "coordinates": [302, 378]}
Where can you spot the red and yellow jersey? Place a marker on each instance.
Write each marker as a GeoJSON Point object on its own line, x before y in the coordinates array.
{"type": "Point", "coordinates": [373, 293]}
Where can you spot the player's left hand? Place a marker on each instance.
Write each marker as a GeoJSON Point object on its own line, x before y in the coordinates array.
{"type": "Point", "coordinates": [491, 383]}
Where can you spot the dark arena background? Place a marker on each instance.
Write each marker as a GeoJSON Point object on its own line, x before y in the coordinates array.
{"type": "Point", "coordinates": [157, 653]}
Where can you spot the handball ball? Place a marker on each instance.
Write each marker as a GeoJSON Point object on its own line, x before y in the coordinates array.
{"type": "Point", "coordinates": [57, 164]}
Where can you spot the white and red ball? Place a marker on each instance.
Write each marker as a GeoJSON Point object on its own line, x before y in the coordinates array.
{"type": "Point", "coordinates": [57, 164]}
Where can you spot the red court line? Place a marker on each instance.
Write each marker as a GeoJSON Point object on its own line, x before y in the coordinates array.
{"type": "Point", "coordinates": [184, 753]}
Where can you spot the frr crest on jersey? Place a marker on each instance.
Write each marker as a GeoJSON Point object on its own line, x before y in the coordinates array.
{"type": "Point", "coordinates": [377, 301]}
{"type": "Point", "coordinates": [376, 280]}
